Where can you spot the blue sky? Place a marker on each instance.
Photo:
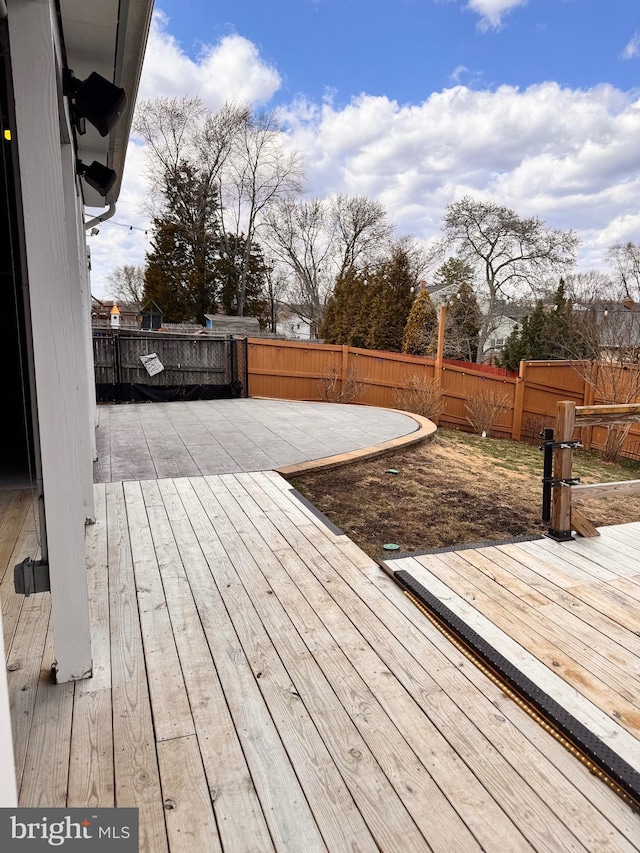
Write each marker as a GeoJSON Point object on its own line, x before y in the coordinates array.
{"type": "Point", "coordinates": [406, 49]}
{"type": "Point", "coordinates": [534, 104]}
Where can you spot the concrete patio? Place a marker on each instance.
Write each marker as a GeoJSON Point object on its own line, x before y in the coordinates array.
{"type": "Point", "coordinates": [144, 441]}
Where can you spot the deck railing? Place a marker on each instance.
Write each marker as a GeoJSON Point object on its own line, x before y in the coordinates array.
{"type": "Point", "coordinates": [564, 516]}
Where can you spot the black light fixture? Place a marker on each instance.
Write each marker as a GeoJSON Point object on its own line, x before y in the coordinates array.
{"type": "Point", "coordinates": [100, 177]}
{"type": "Point", "coordinates": [97, 100]}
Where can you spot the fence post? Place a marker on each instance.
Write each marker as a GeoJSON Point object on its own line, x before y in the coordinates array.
{"type": "Point", "coordinates": [345, 365]}
{"type": "Point", "coordinates": [560, 529]}
{"type": "Point", "coordinates": [246, 366]}
{"type": "Point", "coordinates": [588, 396]}
{"type": "Point", "coordinates": [233, 346]}
{"type": "Point", "coordinates": [518, 403]}
{"type": "Point", "coordinates": [442, 319]}
{"type": "Point", "coordinates": [118, 366]}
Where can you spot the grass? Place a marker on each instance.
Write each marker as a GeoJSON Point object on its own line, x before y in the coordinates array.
{"type": "Point", "coordinates": [457, 489]}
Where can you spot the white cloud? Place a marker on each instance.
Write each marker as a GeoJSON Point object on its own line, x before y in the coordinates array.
{"type": "Point", "coordinates": [492, 11]}
{"type": "Point", "coordinates": [231, 70]}
{"type": "Point", "coordinates": [632, 49]}
{"type": "Point", "coordinates": [568, 156]}
{"type": "Point", "coordinates": [458, 73]}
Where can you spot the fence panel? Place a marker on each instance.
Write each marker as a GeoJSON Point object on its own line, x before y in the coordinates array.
{"type": "Point", "coordinates": [459, 384]}
{"type": "Point", "coordinates": [194, 367]}
{"type": "Point", "coordinates": [192, 361]}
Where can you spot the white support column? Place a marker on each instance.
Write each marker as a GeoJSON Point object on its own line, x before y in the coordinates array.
{"type": "Point", "coordinates": [77, 280]}
{"type": "Point", "coordinates": [57, 371]}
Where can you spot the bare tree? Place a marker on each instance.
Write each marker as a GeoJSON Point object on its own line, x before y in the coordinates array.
{"type": "Point", "coordinates": [509, 252]}
{"type": "Point", "coordinates": [319, 239]}
{"type": "Point", "coordinates": [590, 288]}
{"type": "Point", "coordinates": [126, 284]}
{"type": "Point", "coordinates": [361, 229]}
{"type": "Point", "coordinates": [624, 259]}
{"type": "Point", "coordinates": [300, 237]}
{"type": "Point", "coordinates": [260, 172]}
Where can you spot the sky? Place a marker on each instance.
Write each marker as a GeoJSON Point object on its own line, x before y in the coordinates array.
{"type": "Point", "coordinates": [534, 104]}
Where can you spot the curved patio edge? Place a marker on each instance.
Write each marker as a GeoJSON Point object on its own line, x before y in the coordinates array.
{"type": "Point", "coordinates": [425, 431]}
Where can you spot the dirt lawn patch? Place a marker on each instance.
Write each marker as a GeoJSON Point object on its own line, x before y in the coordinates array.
{"type": "Point", "coordinates": [459, 488]}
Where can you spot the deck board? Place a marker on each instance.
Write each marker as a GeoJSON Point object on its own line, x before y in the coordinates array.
{"type": "Point", "coordinates": [260, 684]}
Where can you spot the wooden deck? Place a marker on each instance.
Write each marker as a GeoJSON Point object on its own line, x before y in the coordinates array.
{"type": "Point", "coordinates": [260, 684]}
{"type": "Point", "coordinates": [567, 615]}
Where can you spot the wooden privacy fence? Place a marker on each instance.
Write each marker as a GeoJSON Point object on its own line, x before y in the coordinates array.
{"type": "Point", "coordinates": [293, 370]}
{"type": "Point", "coordinates": [565, 517]}
{"type": "Point", "coordinates": [194, 367]}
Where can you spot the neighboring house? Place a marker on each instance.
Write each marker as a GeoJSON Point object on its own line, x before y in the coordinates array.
{"type": "Point", "coordinates": [52, 171]}
{"type": "Point", "coordinates": [292, 324]}
{"type": "Point", "coordinates": [618, 328]}
{"type": "Point", "coordinates": [508, 317]}
{"type": "Point", "coordinates": [118, 315]}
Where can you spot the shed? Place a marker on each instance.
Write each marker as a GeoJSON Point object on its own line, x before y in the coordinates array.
{"type": "Point", "coordinates": [221, 324]}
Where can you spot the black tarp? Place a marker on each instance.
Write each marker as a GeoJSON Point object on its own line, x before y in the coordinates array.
{"type": "Point", "coordinates": [129, 392]}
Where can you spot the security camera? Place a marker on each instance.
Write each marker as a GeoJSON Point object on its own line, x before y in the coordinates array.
{"type": "Point", "coordinates": [100, 177]}
{"type": "Point", "coordinates": [97, 100]}
{"type": "Point", "coordinates": [94, 232]}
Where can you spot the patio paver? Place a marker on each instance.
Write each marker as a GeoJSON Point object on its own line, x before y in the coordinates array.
{"type": "Point", "coordinates": [147, 440]}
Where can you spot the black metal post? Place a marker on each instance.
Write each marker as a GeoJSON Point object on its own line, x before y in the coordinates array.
{"type": "Point", "coordinates": [233, 343]}
{"type": "Point", "coordinates": [547, 473]}
{"type": "Point", "coordinates": [117, 366]}
{"type": "Point", "coordinates": [246, 366]}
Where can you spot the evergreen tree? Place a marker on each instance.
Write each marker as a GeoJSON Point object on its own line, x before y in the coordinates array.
{"type": "Point", "coordinates": [391, 301]}
{"type": "Point", "coordinates": [233, 254]}
{"type": "Point", "coordinates": [528, 343]}
{"type": "Point", "coordinates": [453, 273]}
{"type": "Point", "coordinates": [343, 309]}
{"type": "Point", "coordinates": [515, 349]}
{"type": "Point", "coordinates": [420, 325]}
{"type": "Point", "coordinates": [463, 323]}
{"type": "Point", "coordinates": [181, 273]}
{"type": "Point", "coordinates": [555, 333]}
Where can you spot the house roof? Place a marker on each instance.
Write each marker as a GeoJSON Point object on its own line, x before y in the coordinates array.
{"type": "Point", "coordinates": [107, 36]}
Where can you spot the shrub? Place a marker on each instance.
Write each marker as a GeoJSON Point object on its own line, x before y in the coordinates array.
{"type": "Point", "coordinates": [333, 390]}
{"type": "Point", "coordinates": [420, 395]}
{"type": "Point", "coordinates": [485, 407]}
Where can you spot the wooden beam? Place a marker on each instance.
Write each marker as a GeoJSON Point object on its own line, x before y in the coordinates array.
{"type": "Point", "coordinates": [60, 419]}
{"type": "Point", "coordinates": [581, 524]}
{"type": "Point", "coordinates": [603, 415]}
{"type": "Point", "coordinates": [563, 463]}
{"type": "Point", "coordinates": [589, 491]}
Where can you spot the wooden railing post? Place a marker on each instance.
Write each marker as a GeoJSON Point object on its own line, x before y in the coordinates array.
{"type": "Point", "coordinates": [560, 529]}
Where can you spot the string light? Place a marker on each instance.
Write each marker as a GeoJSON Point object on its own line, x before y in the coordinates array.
{"type": "Point", "coordinates": [124, 225]}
